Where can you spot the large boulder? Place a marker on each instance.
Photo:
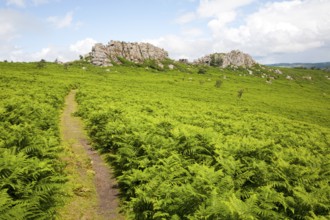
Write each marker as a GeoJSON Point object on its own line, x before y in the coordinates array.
{"type": "Point", "coordinates": [104, 55]}
{"type": "Point", "coordinates": [233, 58]}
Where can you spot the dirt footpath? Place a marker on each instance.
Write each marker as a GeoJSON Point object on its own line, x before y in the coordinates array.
{"type": "Point", "coordinates": [105, 184]}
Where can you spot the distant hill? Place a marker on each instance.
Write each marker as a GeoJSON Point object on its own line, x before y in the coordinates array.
{"type": "Point", "coordinates": [324, 65]}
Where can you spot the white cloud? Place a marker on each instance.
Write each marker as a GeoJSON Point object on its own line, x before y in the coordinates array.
{"type": "Point", "coordinates": [221, 12]}
{"type": "Point", "coordinates": [13, 24]}
{"type": "Point", "coordinates": [7, 32]}
{"type": "Point", "coordinates": [271, 30]}
{"type": "Point", "coordinates": [18, 54]}
{"type": "Point", "coordinates": [181, 47]}
{"type": "Point", "coordinates": [192, 32]}
{"type": "Point", "coordinates": [40, 2]}
{"type": "Point", "coordinates": [83, 46]}
{"type": "Point", "coordinates": [186, 18]}
{"type": "Point", "coordinates": [281, 27]}
{"type": "Point", "coordinates": [222, 20]}
{"type": "Point", "coordinates": [211, 8]}
{"type": "Point", "coordinates": [19, 3]}
{"type": "Point", "coordinates": [49, 53]}
{"type": "Point", "coordinates": [61, 22]}
{"type": "Point", "coordinates": [23, 3]}
{"type": "Point", "coordinates": [45, 53]}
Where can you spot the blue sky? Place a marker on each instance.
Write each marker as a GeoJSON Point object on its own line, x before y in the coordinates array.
{"type": "Point", "coordinates": [269, 30]}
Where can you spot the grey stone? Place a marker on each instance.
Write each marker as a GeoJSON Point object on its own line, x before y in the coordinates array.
{"type": "Point", "coordinates": [307, 77]}
{"type": "Point", "coordinates": [234, 58]}
{"type": "Point", "coordinates": [160, 65]}
{"type": "Point", "coordinates": [277, 71]}
{"type": "Point", "coordinates": [104, 55]}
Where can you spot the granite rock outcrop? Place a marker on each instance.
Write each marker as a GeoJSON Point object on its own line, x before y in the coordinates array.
{"type": "Point", "coordinates": [105, 55]}
{"type": "Point", "coordinates": [223, 60]}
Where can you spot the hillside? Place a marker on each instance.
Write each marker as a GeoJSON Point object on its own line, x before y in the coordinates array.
{"type": "Point", "coordinates": [185, 141]}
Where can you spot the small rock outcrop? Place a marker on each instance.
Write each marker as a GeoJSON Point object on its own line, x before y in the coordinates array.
{"type": "Point", "coordinates": [104, 55]}
{"type": "Point", "coordinates": [233, 58]}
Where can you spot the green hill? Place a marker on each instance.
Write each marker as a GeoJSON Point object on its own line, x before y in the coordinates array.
{"type": "Point", "coordinates": [192, 142]}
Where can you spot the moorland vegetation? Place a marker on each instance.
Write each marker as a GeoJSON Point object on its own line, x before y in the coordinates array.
{"type": "Point", "coordinates": [186, 142]}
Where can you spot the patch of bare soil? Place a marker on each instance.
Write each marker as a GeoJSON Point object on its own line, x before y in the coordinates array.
{"type": "Point", "coordinates": [105, 184]}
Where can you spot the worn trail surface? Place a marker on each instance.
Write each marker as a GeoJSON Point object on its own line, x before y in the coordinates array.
{"type": "Point", "coordinates": [105, 184]}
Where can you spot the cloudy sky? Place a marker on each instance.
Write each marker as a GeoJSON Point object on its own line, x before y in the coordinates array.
{"type": "Point", "coordinates": [269, 30]}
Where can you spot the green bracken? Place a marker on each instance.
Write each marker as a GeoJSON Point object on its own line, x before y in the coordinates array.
{"type": "Point", "coordinates": [180, 149]}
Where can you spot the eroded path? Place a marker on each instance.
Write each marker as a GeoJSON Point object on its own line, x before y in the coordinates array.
{"type": "Point", "coordinates": [94, 187]}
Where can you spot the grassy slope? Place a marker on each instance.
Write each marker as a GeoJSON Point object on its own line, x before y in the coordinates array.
{"type": "Point", "coordinates": [159, 126]}
{"type": "Point", "coordinates": [301, 100]}
{"type": "Point", "coordinates": [184, 97]}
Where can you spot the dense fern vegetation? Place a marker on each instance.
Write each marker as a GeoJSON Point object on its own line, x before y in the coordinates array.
{"type": "Point", "coordinates": [188, 143]}
{"type": "Point", "coordinates": [31, 174]}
